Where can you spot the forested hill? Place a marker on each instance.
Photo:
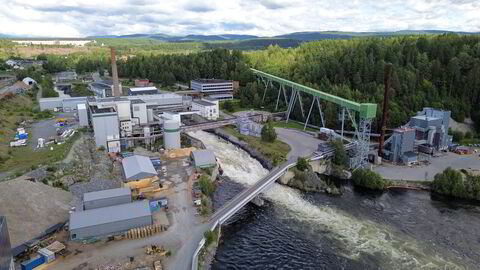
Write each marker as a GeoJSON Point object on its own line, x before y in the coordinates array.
{"type": "Point", "coordinates": [438, 71]}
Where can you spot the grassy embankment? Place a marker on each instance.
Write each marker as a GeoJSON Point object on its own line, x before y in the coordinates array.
{"type": "Point", "coordinates": [276, 151]}
{"type": "Point", "coordinates": [18, 160]}
{"type": "Point", "coordinates": [293, 125]}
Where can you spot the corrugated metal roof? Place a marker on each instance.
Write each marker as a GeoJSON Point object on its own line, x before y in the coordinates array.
{"type": "Point", "coordinates": [107, 193]}
{"type": "Point", "coordinates": [136, 164]}
{"type": "Point", "coordinates": [88, 218]}
{"type": "Point", "coordinates": [203, 157]}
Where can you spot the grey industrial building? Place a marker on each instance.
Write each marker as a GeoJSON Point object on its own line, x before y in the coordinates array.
{"type": "Point", "coordinates": [400, 146]}
{"type": "Point", "coordinates": [426, 132]}
{"type": "Point", "coordinates": [105, 198]}
{"type": "Point", "coordinates": [214, 88]}
{"type": "Point", "coordinates": [138, 167]}
{"type": "Point", "coordinates": [107, 221]}
{"type": "Point", "coordinates": [66, 104]}
{"type": "Point", "coordinates": [103, 88]}
{"type": "Point", "coordinates": [106, 127]}
{"type": "Point", "coordinates": [6, 259]}
{"type": "Point", "coordinates": [203, 158]}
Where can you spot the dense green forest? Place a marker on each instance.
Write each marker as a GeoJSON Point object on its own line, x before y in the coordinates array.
{"type": "Point", "coordinates": [168, 69]}
{"type": "Point", "coordinates": [438, 71]}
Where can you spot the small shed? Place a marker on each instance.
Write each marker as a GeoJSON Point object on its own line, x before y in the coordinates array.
{"type": "Point", "coordinates": [138, 167]}
{"type": "Point", "coordinates": [107, 197]}
{"type": "Point", "coordinates": [203, 158]}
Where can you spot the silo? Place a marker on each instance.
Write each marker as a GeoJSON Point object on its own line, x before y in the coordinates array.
{"type": "Point", "coordinates": [171, 134]}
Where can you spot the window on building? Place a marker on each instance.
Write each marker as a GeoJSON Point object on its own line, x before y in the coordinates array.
{"type": "Point", "coordinates": [74, 236]}
{"type": "Point", "coordinates": [136, 108]}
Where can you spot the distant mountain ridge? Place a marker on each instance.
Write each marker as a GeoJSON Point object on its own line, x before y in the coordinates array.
{"type": "Point", "coordinates": [299, 36]}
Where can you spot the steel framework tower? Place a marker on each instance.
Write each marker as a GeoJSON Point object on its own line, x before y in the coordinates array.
{"type": "Point", "coordinates": [365, 112]}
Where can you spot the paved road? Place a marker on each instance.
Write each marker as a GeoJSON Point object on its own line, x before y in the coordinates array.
{"type": "Point", "coordinates": [427, 173]}
{"type": "Point", "coordinates": [302, 144]}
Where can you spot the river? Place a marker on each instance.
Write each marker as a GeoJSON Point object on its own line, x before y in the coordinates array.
{"type": "Point", "coordinates": [358, 230]}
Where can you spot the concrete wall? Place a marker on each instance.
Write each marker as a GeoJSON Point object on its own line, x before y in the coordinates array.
{"type": "Point", "coordinates": [105, 125]}
{"type": "Point", "coordinates": [50, 103]}
{"type": "Point", "coordinates": [107, 202]}
{"type": "Point", "coordinates": [71, 103]}
{"type": "Point", "coordinates": [140, 111]}
{"type": "Point", "coordinates": [82, 116]}
{"type": "Point", "coordinates": [103, 230]}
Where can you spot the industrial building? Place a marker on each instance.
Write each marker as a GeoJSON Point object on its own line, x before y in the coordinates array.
{"type": "Point", "coordinates": [431, 128]}
{"type": "Point", "coordinates": [100, 89]}
{"type": "Point", "coordinates": [111, 220]}
{"type": "Point", "coordinates": [208, 110]}
{"type": "Point", "coordinates": [426, 132]}
{"type": "Point", "coordinates": [400, 147]}
{"type": "Point", "coordinates": [65, 76]}
{"type": "Point", "coordinates": [203, 158]}
{"type": "Point", "coordinates": [106, 127]}
{"type": "Point", "coordinates": [65, 104]}
{"type": "Point", "coordinates": [6, 259]}
{"type": "Point", "coordinates": [214, 88]}
{"type": "Point", "coordinates": [138, 167]}
{"type": "Point", "coordinates": [105, 198]}
{"type": "Point", "coordinates": [148, 90]}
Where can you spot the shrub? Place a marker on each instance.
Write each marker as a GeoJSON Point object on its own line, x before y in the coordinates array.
{"type": "Point", "coordinates": [302, 164]}
{"type": "Point", "coordinates": [369, 179]}
{"type": "Point", "coordinates": [228, 106]}
{"type": "Point", "coordinates": [210, 237]}
{"type": "Point", "coordinates": [101, 148]}
{"type": "Point", "coordinates": [51, 169]}
{"type": "Point", "coordinates": [340, 158]}
{"type": "Point", "coordinates": [452, 183]}
{"type": "Point", "coordinates": [268, 133]}
{"type": "Point", "coordinates": [206, 185]}
{"type": "Point", "coordinates": [468, 135]}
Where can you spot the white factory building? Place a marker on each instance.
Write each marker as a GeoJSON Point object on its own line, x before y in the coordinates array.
{"type": "Point", "coordinates": [206, 108]}
{"type": "Point", "coordinates": [214, 88]}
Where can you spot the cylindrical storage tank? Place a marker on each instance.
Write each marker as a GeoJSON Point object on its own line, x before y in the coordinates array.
{"type": "Point", "coordinates": [171, 134]}
{"type": "Point", "coordinates": [150, 115]}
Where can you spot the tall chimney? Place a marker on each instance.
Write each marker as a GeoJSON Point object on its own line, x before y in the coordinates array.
{"type": "Point", "coordinates": [387, 80]}
{"type": "Point", "coordinates": [116, 90]}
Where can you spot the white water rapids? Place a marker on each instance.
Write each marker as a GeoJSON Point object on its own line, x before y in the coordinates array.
{"type": "Point", "coordinates": [357, 235]}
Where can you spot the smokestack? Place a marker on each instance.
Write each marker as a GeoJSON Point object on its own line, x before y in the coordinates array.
{"type": "Point", "coordinates": [116, 90]}
{"type": "Point", "coordinates": [387, 83]}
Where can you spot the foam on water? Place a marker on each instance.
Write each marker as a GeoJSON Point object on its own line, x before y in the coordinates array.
{"type": "Point", "coordinates": [357, 235]}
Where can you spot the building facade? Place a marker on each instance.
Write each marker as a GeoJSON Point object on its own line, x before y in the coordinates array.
{"type": "Point", "coordinates": [108, 221]}
{"type": "Point", "coordinates": [106, 128]}
{"type": "Point", "coordinates": [214, 88]}
{"type": "Point", "coordinates": [206, 109]}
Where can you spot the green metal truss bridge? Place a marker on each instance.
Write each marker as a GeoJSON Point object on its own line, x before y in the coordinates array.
{"type": "Point", "coordinates": [365, 111]}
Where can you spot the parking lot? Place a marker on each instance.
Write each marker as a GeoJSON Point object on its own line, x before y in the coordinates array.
{"type": "Point", "coordinates": [427, 172]}
{"type": "Point", "coordinates": [47, 128]}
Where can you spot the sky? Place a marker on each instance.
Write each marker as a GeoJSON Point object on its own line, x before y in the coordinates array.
{"type": "Point", "coordinates": [81, 18]}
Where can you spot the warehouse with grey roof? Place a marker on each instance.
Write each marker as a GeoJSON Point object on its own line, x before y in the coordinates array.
{"type": "Point", "coordinates": [107, 221]}
{"type": "Point", "coordinates": [203, 158]}
{"type": "Point", "coordinates": [138, 167]}
{"type": "Point", "coordinates": [107, 197]}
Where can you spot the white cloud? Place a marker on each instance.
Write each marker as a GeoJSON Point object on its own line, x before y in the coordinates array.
{"type": "Point", "coordinates": [77, 18]}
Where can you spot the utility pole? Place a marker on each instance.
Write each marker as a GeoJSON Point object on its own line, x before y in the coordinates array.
{"type": "Point", "coordinates": [387, 80]}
